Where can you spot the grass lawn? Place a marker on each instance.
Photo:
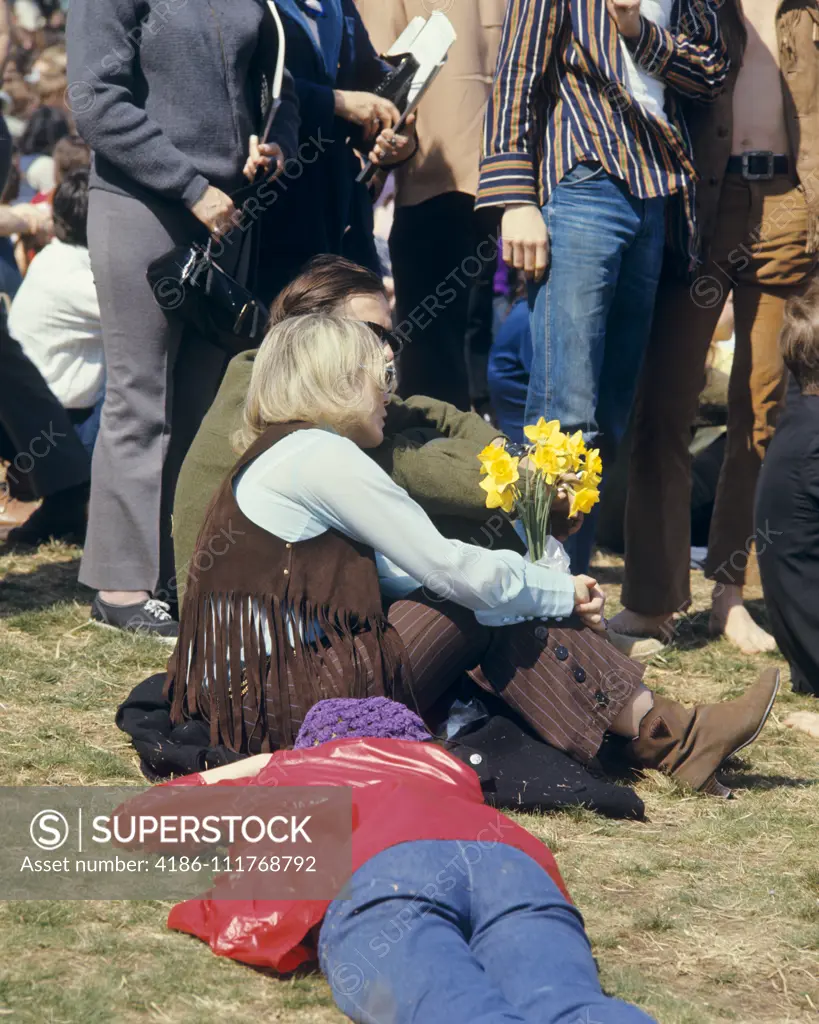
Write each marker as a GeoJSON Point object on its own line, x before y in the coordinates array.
{"type": "Point", "coordinates": [708, 912]}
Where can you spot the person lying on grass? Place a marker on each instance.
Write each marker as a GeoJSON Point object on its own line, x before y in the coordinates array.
{"type": "Point", "coordinates": [321, 577]}
{"type": "Point", "coordinates": [487, 930]}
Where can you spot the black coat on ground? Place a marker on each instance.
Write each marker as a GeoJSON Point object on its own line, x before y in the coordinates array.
{"type": "Point", "coordinates": [517, 770]}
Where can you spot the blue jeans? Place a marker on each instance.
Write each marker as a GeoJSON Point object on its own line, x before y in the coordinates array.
{"type": "Point", "coordinates": [591, 315]}
{"type": "Point", "coordinates": [88, 428]}
{"type": "Point", "coordinates": [508, 371]}
{"type": "Point", "coordinates": [446, 932]}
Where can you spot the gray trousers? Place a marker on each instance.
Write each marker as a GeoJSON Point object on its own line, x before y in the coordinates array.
{"type": "Point", "coordinates": [160, 382]}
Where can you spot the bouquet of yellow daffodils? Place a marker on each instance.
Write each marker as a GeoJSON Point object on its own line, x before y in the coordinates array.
{"type": "Point", "coordinates": [553, 462]}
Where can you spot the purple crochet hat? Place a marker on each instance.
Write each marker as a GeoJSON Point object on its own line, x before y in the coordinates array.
{"type": "Point", "coordinates": [345, 718]}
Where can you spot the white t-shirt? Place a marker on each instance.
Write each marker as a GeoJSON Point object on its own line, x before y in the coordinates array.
{"type": "Point", "coordinates": [648, 91]}
{"type": "Point", "coordinates": [55, 316]}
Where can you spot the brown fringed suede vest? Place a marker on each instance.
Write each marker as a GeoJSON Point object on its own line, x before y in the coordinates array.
{"type": "Point", "coordinates": [221, 667]}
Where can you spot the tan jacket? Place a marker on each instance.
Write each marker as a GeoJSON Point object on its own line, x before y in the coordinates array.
{"type": "Point", "coordinates": [711, 126]}
{"type": "Point", "coordinates": [450, 118]}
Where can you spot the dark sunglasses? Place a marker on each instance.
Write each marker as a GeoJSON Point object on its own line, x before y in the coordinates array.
{"type": "Point", "coordinates": [384, 334]}
{"type": "Point", "coordinates": [386, 337]}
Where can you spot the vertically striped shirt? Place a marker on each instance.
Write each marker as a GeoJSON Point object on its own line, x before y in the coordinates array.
{"type": "Point", "coordinates": [560, 98]}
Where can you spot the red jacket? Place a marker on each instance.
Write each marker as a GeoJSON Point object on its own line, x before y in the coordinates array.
{"type": "Point", "coordinates": [402, 791]}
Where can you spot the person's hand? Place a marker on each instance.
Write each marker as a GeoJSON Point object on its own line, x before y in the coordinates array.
{"type": "Point", "coordinates": [589, 601]}
{"type": "Point", "coordinates": [626, 14]}
{"type": "Point", "coordinates": [525, 240]}
{"type": "Point", "coordinates": [262, 156]}
{"type": "Point", "coordinates": [35, 218]}
{"type": "Point", "coordinates": [372, 113]}
{"type": "Point", "coordinates": [563, 525]}
{"type": "Point", "coordinates": [390, 148]}
{"type": "Point", "coordinates": [215, 210]}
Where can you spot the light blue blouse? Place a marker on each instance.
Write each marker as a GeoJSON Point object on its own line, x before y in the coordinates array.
{"type": "Point", "coordinates": [314, 480]}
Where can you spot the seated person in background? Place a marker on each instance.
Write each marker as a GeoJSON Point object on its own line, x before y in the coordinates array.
{"type": "Point", "coordinates": [308, 540]}
{"type": "Point", "coordinates": [494, 937]}
{"type": "Point", "coordinates": [787, 501]}
{"type": "Point", "coordinates": [55, 315]}
{"type": "Point", "coordinates": [429, 447]}
{"type": "Point", "coordinates": [44, 130]}
{"type": "Point", "coordinates": [70, 154]}
{"type": "Point", "coordinates": [50, 76]}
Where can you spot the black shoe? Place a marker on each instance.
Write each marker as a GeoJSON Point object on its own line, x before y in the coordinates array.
{"type": "Point", "coordinates": [62, 516]}
{"type": "Point", "coordinates": [150, 618]}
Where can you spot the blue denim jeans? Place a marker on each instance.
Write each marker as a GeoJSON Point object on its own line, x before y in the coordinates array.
{"type": "Point", "coordinates": [446, 932]}
{"type": "Point", "coordinates": [591, 315]}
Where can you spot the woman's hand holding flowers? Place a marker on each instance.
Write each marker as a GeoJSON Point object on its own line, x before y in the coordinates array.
{"type": "Point", "coordinates": [589, 602]}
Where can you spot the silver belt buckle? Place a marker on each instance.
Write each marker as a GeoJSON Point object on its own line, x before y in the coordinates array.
{"type": "Point", "coordinates": [757, 154]}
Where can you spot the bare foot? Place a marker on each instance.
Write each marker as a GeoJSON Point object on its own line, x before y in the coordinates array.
{"type": "Point", "coordinates": [804, 721]}
{"type": "Point", "coordinates": [629, 623]}
{"type": "Point", "coordinates": [730, 618]}
{"type": "Point", "coordinates": [633, 647]}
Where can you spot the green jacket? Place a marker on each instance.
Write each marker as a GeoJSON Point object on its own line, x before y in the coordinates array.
{"type": "Point", "coordinates": [429, 449]}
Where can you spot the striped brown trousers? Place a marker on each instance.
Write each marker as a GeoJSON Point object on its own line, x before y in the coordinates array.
{"type": "Point", "coordinates": [567, 681]}
{"type": "Point", "coordinates": [564, 679]}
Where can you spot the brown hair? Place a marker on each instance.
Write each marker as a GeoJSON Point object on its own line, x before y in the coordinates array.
{"type": "Point", "coordinates": [70, 154]}
{"type": "Point", "coordinates": [323, 285]}
{"type": "Point", "coordinates": [799, 340]}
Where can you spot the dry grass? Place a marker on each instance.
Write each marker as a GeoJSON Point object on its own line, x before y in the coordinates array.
{"type": "Point", "coordinates": [707, 913]}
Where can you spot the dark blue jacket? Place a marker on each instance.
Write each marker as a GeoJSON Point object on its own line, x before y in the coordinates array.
{"type": "Point", "coordinates": [317, 207]}
{"type": "Point", "coordinates": [787, 537]}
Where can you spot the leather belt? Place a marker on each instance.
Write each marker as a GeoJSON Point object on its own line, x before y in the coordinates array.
{"type": "Point", "coordinates": [758, 165]}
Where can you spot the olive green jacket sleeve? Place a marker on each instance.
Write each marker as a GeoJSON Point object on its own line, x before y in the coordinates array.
{"type": "Point", "coordinates": [430, 449]}
{"type": "Point", "coordinates": [209, 460]}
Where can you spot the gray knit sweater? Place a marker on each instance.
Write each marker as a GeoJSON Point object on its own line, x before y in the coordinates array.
{"type": "Point", "coordinates": [168, 92]}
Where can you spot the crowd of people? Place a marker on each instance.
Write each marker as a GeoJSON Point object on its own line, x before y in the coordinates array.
{"type": "Point", "coordinates": [594, 202]}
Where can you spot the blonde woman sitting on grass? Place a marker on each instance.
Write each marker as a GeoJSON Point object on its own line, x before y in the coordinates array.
{"type": "Point", "coordinates": [320, 577]}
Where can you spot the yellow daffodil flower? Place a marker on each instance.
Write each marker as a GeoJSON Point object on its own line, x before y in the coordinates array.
{"type": "Point", "coordinates": [592, 472]}
{"type": "Point", "coordinates": [575, 449]}
{"type": "Point", "coordinates": [549, 461]}
{"type": "Point", "coordinates": [584, 500]}
{"type": "Point", "coordinates": [489, 455]}
{"type": "Point", "coordinates": [594, 464]}
{"type": "Point", "coordinates": [504, 471]}
{"type": "Point", "coordinates": [495, 498]}
{"type": "Point", "coordinates": [543, 433]}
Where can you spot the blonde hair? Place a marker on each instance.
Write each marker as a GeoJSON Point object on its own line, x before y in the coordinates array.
{"type": "Point", "coordinates": [318, 368]}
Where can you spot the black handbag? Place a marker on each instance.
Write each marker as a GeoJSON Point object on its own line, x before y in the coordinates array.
{"type": "Point", "coordinates": [189, 284]}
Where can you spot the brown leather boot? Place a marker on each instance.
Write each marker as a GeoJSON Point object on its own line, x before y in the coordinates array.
{"type": "Point", "coordinates": [691, 744]}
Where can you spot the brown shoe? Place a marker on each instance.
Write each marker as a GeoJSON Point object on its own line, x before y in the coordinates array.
{"type": "Point", "coordinates": [691, 744]}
